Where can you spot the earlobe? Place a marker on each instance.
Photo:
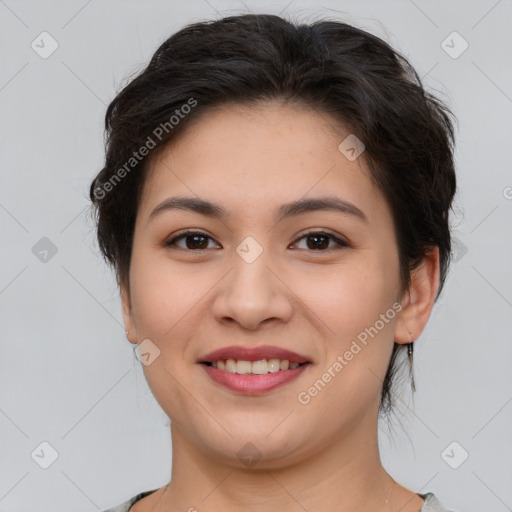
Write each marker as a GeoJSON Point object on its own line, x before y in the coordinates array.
{"type": "Point", "coordinates": [419, 299]}
{"type": "Point", "coordinates": [129, 324]}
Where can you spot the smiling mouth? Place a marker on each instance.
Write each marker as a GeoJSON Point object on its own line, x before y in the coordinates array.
{"type": "Point", "coordinates": [253, 370]}
{"type": "Point", "coordinates": [254, 378]}
{"type": "Point", "coordinates": [260, 367]}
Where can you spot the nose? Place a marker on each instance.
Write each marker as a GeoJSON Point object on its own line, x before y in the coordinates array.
{"type": "Point", "coordinates": [252, 294]}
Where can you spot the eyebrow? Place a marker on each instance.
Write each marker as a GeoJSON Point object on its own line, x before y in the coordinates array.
{"type": "Point", "coordinates": [301, 206]}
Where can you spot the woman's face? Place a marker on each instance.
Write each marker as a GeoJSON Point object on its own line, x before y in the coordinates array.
{"type": "Point", "coordinates": [254, 279]}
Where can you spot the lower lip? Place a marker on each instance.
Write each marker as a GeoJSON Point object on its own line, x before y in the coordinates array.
{"type": "Point", "coordinates": [253, 384]}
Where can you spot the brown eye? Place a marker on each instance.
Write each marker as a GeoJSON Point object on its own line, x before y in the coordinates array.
{"type": "Point", "coordinates": [193, 241]}
{"type": "Point", "coordinates": [319, 241]}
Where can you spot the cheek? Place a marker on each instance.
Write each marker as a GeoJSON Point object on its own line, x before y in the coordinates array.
{"type": "Point", "coordinates": [163, 306]}
{"type": "Point", "coordinates": [164, 295]}
{"type": "Point", "coordinates": [350, 296]}
{"type": "Point", "coordinates": [350, 300]}
{"type": "Point", "coordinates": [358, 342]}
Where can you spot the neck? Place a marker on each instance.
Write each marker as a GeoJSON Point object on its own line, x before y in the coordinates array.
{"type": "Point", "coordinates": [345, 476]}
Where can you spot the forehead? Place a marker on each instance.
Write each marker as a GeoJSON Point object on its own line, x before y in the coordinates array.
{"type": "Point", "coordinates": [253, 157]}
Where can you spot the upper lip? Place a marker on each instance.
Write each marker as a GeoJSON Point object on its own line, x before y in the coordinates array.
{"type": "Point", "coordinates": [253, 354]}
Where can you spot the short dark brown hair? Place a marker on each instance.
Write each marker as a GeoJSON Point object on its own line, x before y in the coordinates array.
{"type": "Point", "coordinates": [327, 65]}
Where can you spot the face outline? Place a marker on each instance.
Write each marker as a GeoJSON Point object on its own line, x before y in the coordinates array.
{"type": "Point", "coordinates": [250, 161]}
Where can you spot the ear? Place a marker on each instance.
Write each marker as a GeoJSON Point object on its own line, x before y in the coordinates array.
{"type": "Point", "coordinates": [419, 300]}
{"type": "Point", "coordinates": [129, 324]}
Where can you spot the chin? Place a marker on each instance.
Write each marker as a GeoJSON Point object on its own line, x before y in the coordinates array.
{"type": "Point", "coordinates": [253, 446]}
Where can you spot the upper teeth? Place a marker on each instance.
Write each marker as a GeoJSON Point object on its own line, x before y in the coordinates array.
{"type": "Point", "coordinates": [257, 367]}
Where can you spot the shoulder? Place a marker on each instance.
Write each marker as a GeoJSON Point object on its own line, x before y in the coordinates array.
{"type": "Point", "coordinates": [432, 504]}
{"type": "Point", "coordinates": [126, 505]}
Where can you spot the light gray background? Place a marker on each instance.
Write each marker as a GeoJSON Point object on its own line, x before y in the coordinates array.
{"type": "Point", "coordinates": [69, 376]}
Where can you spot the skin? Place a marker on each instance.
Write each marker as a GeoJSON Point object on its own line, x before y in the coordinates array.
{"type": "Point", "coordinates": [319, 456]}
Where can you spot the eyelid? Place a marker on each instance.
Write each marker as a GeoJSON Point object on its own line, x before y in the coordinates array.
{"type": "Point", "coordinates": [339, 241]}
{"type": "Point", "coordinates": [171, 241]}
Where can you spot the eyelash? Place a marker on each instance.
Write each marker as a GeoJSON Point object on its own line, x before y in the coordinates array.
{"type": "Point", "coordinates": [340, 243]}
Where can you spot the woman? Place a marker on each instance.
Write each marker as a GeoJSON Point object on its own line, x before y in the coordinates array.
{"type": "Point", "coordinates": [275, 204]}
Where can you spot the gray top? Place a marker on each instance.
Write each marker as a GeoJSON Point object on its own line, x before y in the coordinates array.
{"type": "Point", "coordinates": [431, 504]}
